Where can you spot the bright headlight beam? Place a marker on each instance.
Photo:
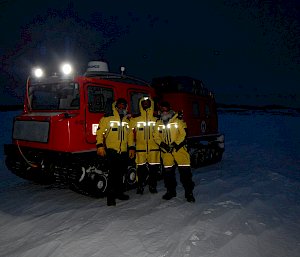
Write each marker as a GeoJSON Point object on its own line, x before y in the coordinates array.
{"type": "Point", "coordinates": [66, 68]}
{"type": "Point", "coordinates": [38, 72]}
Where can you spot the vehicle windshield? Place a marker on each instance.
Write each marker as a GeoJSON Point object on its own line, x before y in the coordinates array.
{"type": "Point", "coordinates": [54, 96]}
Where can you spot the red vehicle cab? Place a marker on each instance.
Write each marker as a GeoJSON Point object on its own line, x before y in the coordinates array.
{"type": "Point", "coordinates": [54, 139]}
{"type": "Point", "coordinates": [55, 136]}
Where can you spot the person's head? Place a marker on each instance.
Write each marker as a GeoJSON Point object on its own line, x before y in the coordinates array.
{"type": "Point", "coordinates": [165, 107]}
{"type": "Point", "coordinates": [146, 103]}
{"type": "Point", "coordinates": [121, 106]}
{"type": "Point", "coordinates": [165, 112]}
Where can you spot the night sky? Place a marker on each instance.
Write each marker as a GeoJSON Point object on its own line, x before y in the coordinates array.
{"type": "Point", "coordinates": [247, 52]}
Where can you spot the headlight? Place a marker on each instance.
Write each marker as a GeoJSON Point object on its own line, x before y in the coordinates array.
{"type": "Point", "coordinates": [66, 69]}
{"type": "Point", "coordinates": [38, 72]}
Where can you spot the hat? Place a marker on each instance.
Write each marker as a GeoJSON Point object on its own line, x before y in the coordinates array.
{"type": "Point", "coordinates": [165, 104]}
{"type": "Point", "coordinates": [121, 101]}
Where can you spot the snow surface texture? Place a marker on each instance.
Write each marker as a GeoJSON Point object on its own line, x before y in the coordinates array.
{"type": "Point", "coordinates": [247, 205]}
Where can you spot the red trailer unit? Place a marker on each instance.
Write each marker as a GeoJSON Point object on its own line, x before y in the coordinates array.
{"type": "Point", "coordinates": [197, 103]}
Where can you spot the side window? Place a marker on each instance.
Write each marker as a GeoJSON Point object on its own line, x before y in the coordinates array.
{"type": "Point", "coordinates": [196, 109]}
{"type": "Point", "coordinates": [100, 99]}
{"type": "Point", "coordinates": [207, 110]}
{"type": "Point", "coordinates": [134, 101]}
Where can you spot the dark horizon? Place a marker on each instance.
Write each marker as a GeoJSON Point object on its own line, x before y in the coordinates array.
{"type": "Point", "coordinates": [245, 52]}
{"type": "Point", "coordinates": [19, 107]}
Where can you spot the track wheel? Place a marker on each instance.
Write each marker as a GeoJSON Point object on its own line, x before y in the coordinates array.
{"type": "Point", "coordinates": [130, 177]}
{"type": "Point", "coordinates": [99, 184]}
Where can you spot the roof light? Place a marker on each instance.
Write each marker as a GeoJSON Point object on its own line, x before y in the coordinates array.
{"type": "Point", "coordinates": [122, 70]}
{"type": "Point", "coordinates": [66, 69]}
{"type": "Point", "coordinates": [38, 72]}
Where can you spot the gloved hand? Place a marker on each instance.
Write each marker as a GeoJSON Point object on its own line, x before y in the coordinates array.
{"type": "Point", "coordinates": [165, 147]}
{"type": "Point", "coordinates": [101, 151]}
{"type": "Point", "coordinates": [131, 153]}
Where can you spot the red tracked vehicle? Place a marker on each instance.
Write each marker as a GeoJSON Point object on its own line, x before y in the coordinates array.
{"type": "Point", "coordinates": [54, 139]}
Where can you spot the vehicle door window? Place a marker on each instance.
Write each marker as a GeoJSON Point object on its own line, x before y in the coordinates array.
{"type": "Point", "coordinates": [207, 110]}
{"type": "Point", "coordinates": [100, 99]}
{"type": "Point", "coordinates": [134, 101]}
{"type": "Point", "coordinates": [196, 110]}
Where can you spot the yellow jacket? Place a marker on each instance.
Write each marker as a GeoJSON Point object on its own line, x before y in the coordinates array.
{"type": "Point", "coordinates": [141, 130]}
{"type": "Point", "coordinates": [172, 132]}
{"type": "Point", "coordinates": [113, 132]}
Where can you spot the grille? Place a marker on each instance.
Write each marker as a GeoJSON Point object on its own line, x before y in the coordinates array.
{"type": "Point", "coordinates": [36, 131]}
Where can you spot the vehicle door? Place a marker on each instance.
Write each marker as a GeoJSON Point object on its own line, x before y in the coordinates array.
{"type": "Point", "coordinates": [99, 100]}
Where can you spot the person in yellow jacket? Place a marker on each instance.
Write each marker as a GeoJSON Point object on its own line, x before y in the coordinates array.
{"type": "Point", "coordinates": [140, 141]}
{"type": "Point", "coordinates": [170, 135]}
{"type": "Point", "coordinates": [112, 142]}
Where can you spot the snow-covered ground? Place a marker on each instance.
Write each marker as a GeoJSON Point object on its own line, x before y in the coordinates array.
{"type": "Point", "coordinates": [246, 205]}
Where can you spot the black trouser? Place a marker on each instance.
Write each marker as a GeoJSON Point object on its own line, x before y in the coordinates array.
{"type": "Point", "coordinates": [185, 178]}
{"type": "Point", "coordinates": [153, 175]}
{"type": "Point", "coordinates": [170, 179]}
{"type": "Point", "coordinates": [150, 171]}
{"type": "Point", "coordinates": [117, 164]}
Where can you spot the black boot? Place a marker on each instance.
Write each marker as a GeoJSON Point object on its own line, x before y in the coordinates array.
{"type": "Point", "coordinates": [122, 196]}
{"type": "Point", "coordinates": [169, 195]}
{"type": "Point", "coordinates": [152, 179]}
{"type": "Point", "coordinates": [190, 197]}
{"type": "Point", "coordinates": [111, 201]}
{"type": "Point", "coordinates": [142, 173]}
{"type": "Point", "coordinates": [152, 190]}
{"type": "Point", "coordinates": [170, 183]}
{"type": "Point", "coordinates": [187, 182]}
{"type": "Point", "coordinates": [140, 190]}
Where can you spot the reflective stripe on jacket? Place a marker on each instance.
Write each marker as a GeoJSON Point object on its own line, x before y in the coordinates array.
{"type": "Point", "coordinates": [173, 131]}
